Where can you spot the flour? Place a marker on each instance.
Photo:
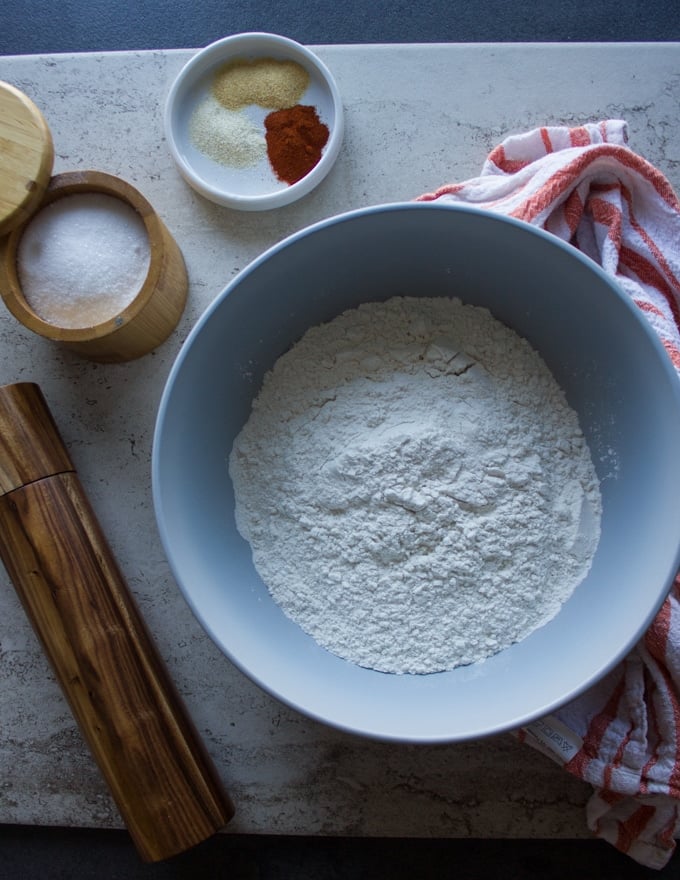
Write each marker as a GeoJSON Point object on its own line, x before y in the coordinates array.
{"type": "Point", "coordinates": [416, 491]}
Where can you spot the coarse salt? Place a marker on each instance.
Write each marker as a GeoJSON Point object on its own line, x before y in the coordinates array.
{"type": "Point", "coordinates": [83, 259]}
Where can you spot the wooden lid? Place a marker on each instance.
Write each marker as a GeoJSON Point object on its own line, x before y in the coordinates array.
{"type": "Point", "coordinates": [26, 157]}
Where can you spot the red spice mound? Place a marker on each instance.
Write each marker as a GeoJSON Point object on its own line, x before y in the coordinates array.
{"type": "Point", "coordinates": [295, 138]}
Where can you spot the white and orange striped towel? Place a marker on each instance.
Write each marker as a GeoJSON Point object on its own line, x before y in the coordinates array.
{"type": "Point", "coordinates": [586, 186]}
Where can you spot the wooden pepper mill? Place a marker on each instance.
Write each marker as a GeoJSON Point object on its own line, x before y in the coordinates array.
{"type": "Point", "coordinates": [161, 777]}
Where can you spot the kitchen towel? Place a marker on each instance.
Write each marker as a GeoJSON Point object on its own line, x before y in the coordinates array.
{"type": "Point", "coordinates": [586, 186]}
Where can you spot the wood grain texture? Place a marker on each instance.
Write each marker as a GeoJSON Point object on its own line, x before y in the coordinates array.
{"type": "Point", "coordinates": [26, 157]}
{"type": "Point", "coordinates": [30, 444]}
{"type": "Point", "coordinates": [164, 784]}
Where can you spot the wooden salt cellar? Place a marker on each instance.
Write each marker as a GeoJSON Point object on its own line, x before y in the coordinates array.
{"type": "Point", "coordinates": [164, 784]}
{"type": "Point", "coordinates": [26, 186]}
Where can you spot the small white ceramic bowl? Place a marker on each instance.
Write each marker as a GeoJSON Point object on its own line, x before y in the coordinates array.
{"type": "Point", "coordinates": [254, 188]}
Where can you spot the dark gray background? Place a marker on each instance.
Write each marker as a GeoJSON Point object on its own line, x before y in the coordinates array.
{"type": "Point", "coordinates": [46, 26]}
{"type": "Point", "coordinates": [36, 26]}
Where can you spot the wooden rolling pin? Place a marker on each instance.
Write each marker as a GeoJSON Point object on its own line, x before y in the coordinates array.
{"type": "Point", "coordinates": [162, 779]}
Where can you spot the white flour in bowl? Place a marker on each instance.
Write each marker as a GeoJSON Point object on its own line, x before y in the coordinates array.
{"type": "Point", "coordinates": [416, 491]}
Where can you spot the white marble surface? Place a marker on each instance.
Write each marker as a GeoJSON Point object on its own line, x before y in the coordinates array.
{"type": "Point", "coordinates": [416, 117]}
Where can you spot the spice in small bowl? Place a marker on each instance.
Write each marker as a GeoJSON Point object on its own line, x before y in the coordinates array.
{"type": "Point", "coordinates": [295, 141]}
{"type": "Point", "coordinates": [254, 121]}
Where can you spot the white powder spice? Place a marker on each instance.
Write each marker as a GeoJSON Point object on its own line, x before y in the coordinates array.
{"type": "Point", "coordinates": [82, 259]}
{"type": "Point", "coordinates": [416, 491]}
{"type": "Point", "coordinates": [226, 136]}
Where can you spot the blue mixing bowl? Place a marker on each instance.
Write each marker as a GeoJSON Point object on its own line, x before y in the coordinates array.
{"type": "Point", "coordinates": [612, 367]}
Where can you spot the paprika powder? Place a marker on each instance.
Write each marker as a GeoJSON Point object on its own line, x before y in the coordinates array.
{"type": "Point", "coordinates": [295, 139]}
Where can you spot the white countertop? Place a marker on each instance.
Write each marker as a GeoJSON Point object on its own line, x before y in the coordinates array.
{"type": "Point", "coordinates": [417, 116]}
